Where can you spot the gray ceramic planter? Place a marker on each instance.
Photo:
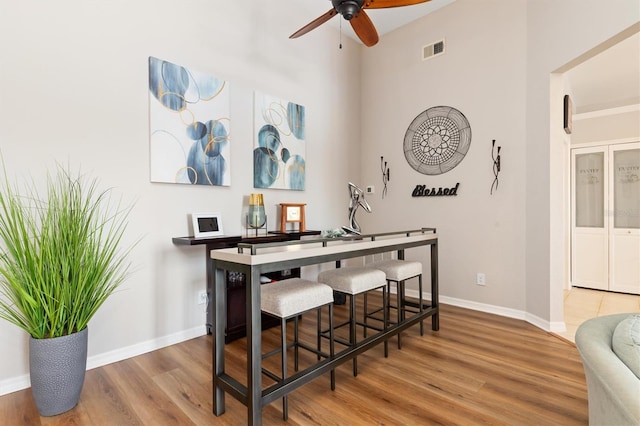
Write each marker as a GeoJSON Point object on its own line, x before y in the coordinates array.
{"type": "Point", "coordinates": [57, 368]}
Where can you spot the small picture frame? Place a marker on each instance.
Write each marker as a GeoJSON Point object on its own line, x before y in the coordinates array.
{"type": "Point", "coordinates": [207, 225]}
{"type": "Point", "coordinates": [292, 213]}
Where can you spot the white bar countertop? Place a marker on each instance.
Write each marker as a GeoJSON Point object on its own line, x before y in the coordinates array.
{"type": "Point", "coordinates": [296, 250]}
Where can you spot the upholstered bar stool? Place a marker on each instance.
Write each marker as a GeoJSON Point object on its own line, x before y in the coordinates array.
{"type": "Point", "coordinates": [288, 299]}
{"type": "Point", "coordinates": [352, 281]}
{"type": "Point", "coordinates": [398, 271]}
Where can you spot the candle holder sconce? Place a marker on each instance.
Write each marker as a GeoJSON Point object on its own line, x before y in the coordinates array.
{"type": "Point", "coordinates": [385, 175]}
{"type": "Point", "coordinates": [495, 156]}
{"type": "Point", "coordinates": [256, 217]}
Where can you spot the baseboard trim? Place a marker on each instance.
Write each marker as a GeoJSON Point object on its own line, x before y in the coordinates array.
{"type": "Point", "coordinates": [22, 382]}
{"type": "Point", "coordinates": [554, 327]}
{"type": "Point", "coordinates": [14, 384]}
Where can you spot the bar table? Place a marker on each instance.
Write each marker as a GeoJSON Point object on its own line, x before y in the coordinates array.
{"type": "Point", "coordinates": [256, 259]}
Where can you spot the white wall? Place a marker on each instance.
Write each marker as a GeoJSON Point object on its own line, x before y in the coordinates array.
{"type": "Point", "coordinates": [74, 88]}
{"type": "Point", "coordinates": [497, 69]}
{"type": "Point", "coordinates": [604, 126]}
{"type": "Point", "coordinates": [482, 74]}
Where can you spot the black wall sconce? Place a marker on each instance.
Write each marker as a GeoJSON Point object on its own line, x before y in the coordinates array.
{"type": "Point", "coordinates": [385, 175]}
{"type": "Point", "coordinates": [496, 165]}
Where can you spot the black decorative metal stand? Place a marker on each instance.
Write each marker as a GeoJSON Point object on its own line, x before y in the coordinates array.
{"type": "Point", "coordinates": [248, 226]}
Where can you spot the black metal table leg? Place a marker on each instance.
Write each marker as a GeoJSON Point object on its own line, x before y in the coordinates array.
{"type": "Point", "coordinates": [254, 351]}
{"type": "Point", "coordinates": [218, 307]}
{"type": "Point", "coordinates": [435, 319]}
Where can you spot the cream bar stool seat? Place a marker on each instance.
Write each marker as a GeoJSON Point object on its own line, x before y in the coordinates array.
{"type": "Point", "coordinates": [288, 299]}
{"type": "Point", "coordinates": [352, 281]}
{"type": "Point", "coordinates": [398, 271]}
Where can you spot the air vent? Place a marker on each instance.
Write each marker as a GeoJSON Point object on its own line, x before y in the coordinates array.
{"type": "Point", "coordinates": [433, 49]}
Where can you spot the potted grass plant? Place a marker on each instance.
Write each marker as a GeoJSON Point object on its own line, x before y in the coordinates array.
{"type": "Point", "coordinates": [60, 259]}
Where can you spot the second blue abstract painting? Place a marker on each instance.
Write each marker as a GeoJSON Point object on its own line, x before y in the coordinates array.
{"type": "Point", "coordinates": [279, 147]}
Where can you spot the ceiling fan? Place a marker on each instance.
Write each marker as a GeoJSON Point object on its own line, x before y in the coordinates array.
{"type": "Point", "coordinates": [353, 11]}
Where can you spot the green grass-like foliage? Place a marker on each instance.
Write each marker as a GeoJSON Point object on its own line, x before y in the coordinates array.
{"type": "Point", "coordinates": [61, 258]}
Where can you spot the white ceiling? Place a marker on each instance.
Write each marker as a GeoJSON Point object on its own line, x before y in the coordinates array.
{"type": "Point", "coordinates": [608, 80]}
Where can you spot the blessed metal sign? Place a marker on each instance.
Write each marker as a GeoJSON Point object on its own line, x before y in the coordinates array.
{"type": "Point", "coordinates": [423, 191]}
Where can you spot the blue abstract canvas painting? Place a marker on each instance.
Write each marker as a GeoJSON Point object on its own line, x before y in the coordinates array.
{"type": "Point", "coordinates": [189, 126]}
{"type": "Point", "coordinates": [279, 146]}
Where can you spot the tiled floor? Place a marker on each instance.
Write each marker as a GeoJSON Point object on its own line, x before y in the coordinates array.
{"type": "Point", "coordinates": [581, 304]}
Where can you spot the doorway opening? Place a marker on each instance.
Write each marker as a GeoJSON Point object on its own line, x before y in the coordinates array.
{"type": "Point", "coordinates": [606, 100]}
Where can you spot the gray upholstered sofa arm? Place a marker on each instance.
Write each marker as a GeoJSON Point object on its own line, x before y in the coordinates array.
{"type": "Point", "coordinates": [613, 389]}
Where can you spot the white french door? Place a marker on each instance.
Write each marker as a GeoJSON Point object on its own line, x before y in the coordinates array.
{"type": "Point", "coordinates": [624, 244]}
{"type": "Point", "coordinates": [590, 230]}
{"type": "Point", "coordinates": [605, 202]}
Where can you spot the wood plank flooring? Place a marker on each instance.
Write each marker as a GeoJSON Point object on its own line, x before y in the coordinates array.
{"type": "Point", "coordinates": [478, 369]}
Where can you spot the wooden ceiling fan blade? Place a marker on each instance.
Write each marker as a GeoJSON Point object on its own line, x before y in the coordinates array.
{"type": "Point", "coordinates": [364, 28]}
{"type": "Point", "coordinates": [314, 24]}
{"type": "Point", "coordinates": [382, 4]}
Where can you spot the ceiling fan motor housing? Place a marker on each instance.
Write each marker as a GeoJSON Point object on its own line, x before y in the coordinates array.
{"type": "Point", "coordinates": [347, 8]}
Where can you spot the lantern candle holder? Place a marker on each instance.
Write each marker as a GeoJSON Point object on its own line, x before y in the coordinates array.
{"type": "Point", "coordinates": [256, 217]}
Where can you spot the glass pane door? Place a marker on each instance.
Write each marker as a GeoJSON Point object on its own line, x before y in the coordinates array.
{"type": "Point", "coordinates": [589, 190]}
{"type": "Point", "coordinates": [626, 188]}
{"type": "Point", "coordinates": [590, 227]}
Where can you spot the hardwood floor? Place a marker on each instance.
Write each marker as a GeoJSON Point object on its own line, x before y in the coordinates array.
{"type": "Point", "coordinates": [478, 369]}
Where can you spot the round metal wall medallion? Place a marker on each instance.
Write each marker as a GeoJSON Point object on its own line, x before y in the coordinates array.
{"type": "Point", "coordinates": [437, 140]}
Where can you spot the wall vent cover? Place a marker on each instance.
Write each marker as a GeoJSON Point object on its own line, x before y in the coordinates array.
{"type": "Point", "coordinates": [433, 49]}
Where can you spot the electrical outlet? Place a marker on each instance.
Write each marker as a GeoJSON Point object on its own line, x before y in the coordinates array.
{"type": "Point", "coordinates": [202, 297]}
{"type": "Point", "coordinates": [480, 278]}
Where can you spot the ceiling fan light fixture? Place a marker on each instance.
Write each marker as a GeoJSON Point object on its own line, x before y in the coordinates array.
{"type": "Point", "coordinates": [349, 8]}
